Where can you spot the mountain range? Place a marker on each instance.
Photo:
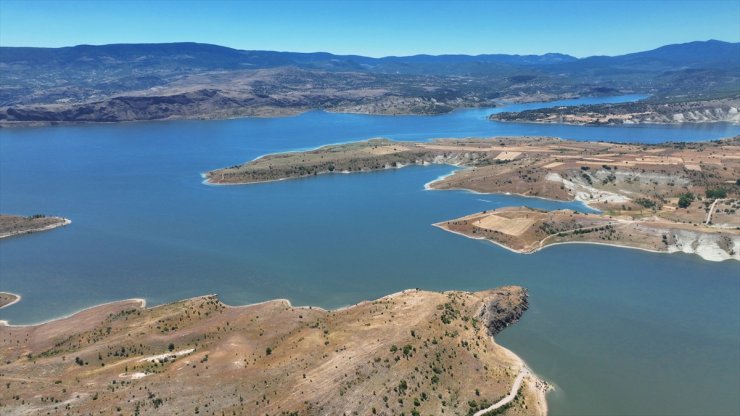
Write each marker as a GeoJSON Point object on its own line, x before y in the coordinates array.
{"type": "Point", "coordinates": [184, 80]}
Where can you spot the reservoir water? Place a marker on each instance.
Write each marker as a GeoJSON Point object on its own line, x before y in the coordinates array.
{"type": "Point", "coordinates": [618, 331]}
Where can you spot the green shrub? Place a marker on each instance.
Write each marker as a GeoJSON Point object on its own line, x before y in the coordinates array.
{"type": "Point", "coordinates": [684, 200]}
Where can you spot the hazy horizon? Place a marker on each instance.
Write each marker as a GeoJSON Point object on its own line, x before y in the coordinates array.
{"type": "Point", "coordinates": [350, 54]}
{"type": "Point", "coordinates": [376, 29]}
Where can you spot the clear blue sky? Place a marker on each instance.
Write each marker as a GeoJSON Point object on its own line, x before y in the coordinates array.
{"type": "Point", "coordinates": [379, 28]}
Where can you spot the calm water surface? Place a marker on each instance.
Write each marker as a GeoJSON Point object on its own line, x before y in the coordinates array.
{"type": "Point", "coordinates": [618, 331]}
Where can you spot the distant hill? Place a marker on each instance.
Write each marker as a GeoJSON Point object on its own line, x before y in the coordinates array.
{"type": "Point", "coordinates": [711, 54]}
{"type": "Point", "coordinates": [228, 81]}
{"type": "Point", "coordinates": [189, 55]}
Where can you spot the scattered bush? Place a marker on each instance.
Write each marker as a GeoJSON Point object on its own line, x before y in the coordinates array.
{"type": "Point", "coordinates": [716, 193]}
{"type": "Point", "coordinates": [645, 202]}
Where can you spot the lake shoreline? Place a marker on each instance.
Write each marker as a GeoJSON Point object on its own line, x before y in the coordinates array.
{"type": "Point", "coordinates": [633, 184]}
{"type": "Point", "coordinates": [141, 301]}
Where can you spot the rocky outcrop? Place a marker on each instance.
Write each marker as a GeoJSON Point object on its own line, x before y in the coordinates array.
{"type": "Point", "coordinates": [728, 114]}
{"type": "Point", "coordinates": [712, 247]}
{"type": "Point", "coordinates": [503, 307]}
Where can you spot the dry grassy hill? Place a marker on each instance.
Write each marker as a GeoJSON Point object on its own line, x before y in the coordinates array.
{"type": "Point", "coordinates": [413, 352]}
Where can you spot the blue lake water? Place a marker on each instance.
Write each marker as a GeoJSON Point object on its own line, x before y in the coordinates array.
{"type": "Point", "coordinates": [618, 331]}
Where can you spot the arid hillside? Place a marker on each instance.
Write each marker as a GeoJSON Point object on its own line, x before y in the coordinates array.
{"type": "Point", "coordinates": [413, 352]}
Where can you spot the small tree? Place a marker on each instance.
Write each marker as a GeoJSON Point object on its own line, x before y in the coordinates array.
{"type": "Point", "coordinates": [684, 200]}
{"type": "Point", "coordinates": [407, 350]}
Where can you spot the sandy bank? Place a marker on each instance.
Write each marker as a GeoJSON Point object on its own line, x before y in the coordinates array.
{"type": "Point", "coordinates": [8, 298]}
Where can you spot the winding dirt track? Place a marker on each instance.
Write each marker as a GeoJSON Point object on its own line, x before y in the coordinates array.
{"type": "Point", "coordinates": [711, 210]}
{"type": "Point", "coordinates": [509, 397]}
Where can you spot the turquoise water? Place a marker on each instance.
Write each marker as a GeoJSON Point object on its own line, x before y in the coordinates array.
{"type": "Point", "coordinates": [618, 331]}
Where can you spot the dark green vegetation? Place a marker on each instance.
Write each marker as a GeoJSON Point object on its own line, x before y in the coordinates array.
{"type": "Point", "coordinates": [716, 193]}
{"type": "Point", "coordinates": [187, 80]}
{"type": "Point", "coordinates": [684, 200]}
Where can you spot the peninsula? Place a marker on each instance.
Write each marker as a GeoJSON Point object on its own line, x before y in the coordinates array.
{"type": "Point", "coordinates": [668, 197]}
{"type": "Point", "coordinates": [7, 299]}
{"type": "Point", "coordinates": [655, 112]}
{"type": "Point", "coordinates": [413, 352]}
{"type": "Point", "coordinates": [527, 230]}
{"type": "Point", "coordinates": [12, 225]}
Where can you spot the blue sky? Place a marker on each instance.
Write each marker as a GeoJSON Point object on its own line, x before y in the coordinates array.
{"type": "Point", "coordinates": [379, 28]}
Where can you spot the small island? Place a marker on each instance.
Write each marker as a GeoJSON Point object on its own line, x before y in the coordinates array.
{"type": "Point", "coordinates": [412, 352]}
{"type": "Point", "coordinates": [671, 197]}
{"type": "Point", "coordinates": [13, 225]}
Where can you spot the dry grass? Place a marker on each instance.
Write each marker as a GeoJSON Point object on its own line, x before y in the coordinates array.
{"type": "Point", "coordinates": [506, 155]}
{"type": "Point", "coordinates": [509, 226]}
